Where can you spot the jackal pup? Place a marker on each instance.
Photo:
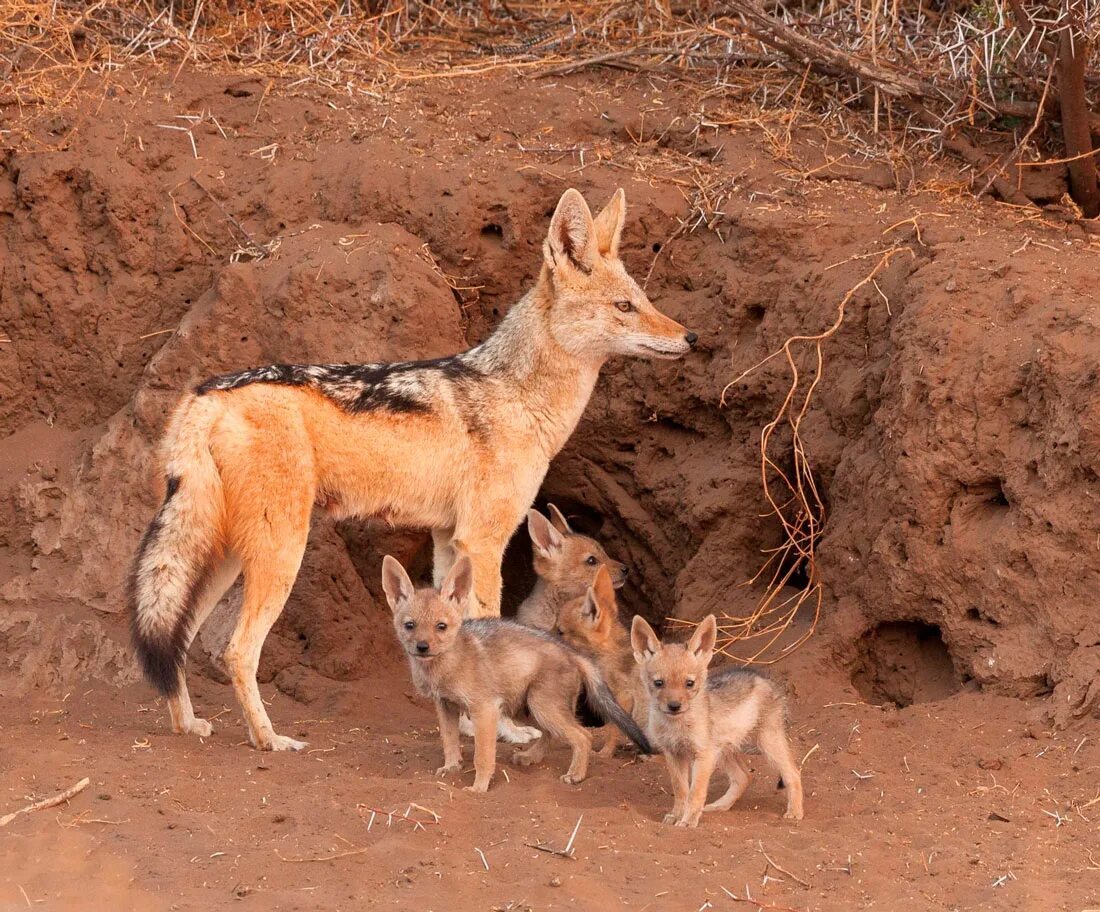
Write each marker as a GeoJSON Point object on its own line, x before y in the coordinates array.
{"type": "Point", "coordinates": [566, 563]}
{"type": "Point", "coordinates": [700, 722]}
{"type": "Point", "coordinates": [590, 624]}
{"type": "Point", "coordinates": [486, 666]}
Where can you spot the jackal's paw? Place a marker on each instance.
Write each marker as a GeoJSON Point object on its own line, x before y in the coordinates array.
{"type": "Point", "coordinates": [517, 734]}
{"type": "Point", "coordinates": [448, 768]}
{"type": "Point", "coordinates": [283, 743]}
{"type": "Point", "coordinates": [478, 788]}
{"type": "Point", "coordinates": [671, 818]}
{"type": "Point", "coordinates": [572, 778]}
{"type": "Point", "coordinates": [199, 727]}
{"type": "Point", "coordinates": [465, 726]}
{"type": "Point", "coordinates": [793, 814]}
{"type": "Point", "coordinates": [691, 822]}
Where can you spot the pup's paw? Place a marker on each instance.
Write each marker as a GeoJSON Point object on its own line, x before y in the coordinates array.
{"type": "Point", "coordinates": [524, 757]}
{"type": "Point", "coordinates": [572, 779]}
{"type": "Point", "coordinates": [465, 726]}
{"type": "Point", "coordinates": [448, 768]}
{"type": "Point", "coordinates": [690, 822]}
{"type": "Point", "coordinates": [793, 814]}
{"type": "Point", "coordinates": [671, 818]}
{"type": "Point", "coordinates": [478, 788]}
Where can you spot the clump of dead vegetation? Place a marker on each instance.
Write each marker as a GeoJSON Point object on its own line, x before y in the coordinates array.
{"type": "Point", "coordinates": [1004, 85]}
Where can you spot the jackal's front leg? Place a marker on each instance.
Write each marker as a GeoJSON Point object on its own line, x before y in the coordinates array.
{"type": "Point", "coordinates": [486, 558]}
{"type": "Point", "coordinates": [679, 771]}
{"type": "Point", "coordinates": [485, 746]}
{"type": "Point", "coordinates": [448, 733]}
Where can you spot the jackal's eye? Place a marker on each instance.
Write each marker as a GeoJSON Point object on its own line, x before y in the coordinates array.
{"type": "Point", "coordinates": [442, 625]}
{"type": "Point", "coordinates": [658, 682]}
{"type": "Point", "coordinates": [624, 306]}
{"type": "Point", "coordinates": [689, 683]}
{"type": "Point", "coordinates": [410, 625]}
{"type": "Point", "coordinates": [591, 560]}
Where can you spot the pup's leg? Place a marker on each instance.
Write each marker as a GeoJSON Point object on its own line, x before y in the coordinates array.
{"type": "Point", "coordinates": [448, 734]}
{"type": "Point", "coordinates": [612, 738]}
{"type": "Point", "coordinates": [679, 771]}
{"type": "Point", "coordinates": [776, 747]}
{"type": "Point", "coordinates": [485, 746]}
{"type": "Point", "coordinates": [702, 767]}
{"type": "Point", "coordinates": [738, 774]}
{"type": "Point", "coordinates": [536, 753]}
{"type": "Point", "coordinates": [552, 708]}
{"type": "Point", "coordinates": [179, 707]}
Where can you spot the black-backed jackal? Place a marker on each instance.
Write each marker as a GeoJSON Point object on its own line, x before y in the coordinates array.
{"type": "Point", "coordinates": [590, 623]}
{"type": "Point", "coordinates": [459, 445]}
{"type": "Point", "coordinates": [488, 666]}
{"type": "Point", "coordinates": [701, 721]}
{"type": "Point", "coordinates": [566, 564]}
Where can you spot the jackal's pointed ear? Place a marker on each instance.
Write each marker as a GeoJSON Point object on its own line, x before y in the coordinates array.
{"type": "Point", "coordinates": [609, 225]}
{"type": "Point", "coordinates": [396, 583]}
{"type": "Point", "coordinates": [572, 238]}
{"type": "Point", "coordinates": [558, 519]}
{"type": "Point", "coordinates": [546, 540]}
{"type": "Point", "coordinates": [459, 583]}
{"type": "Point", "coordinates": [643, 640]}
{"type": "Point", "coordinates": [600, 600]}
{"type": "Point", "coordinates": [705, 636]}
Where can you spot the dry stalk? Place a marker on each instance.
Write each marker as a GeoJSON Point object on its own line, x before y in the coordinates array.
{"type": "Point", "coordinates": [796, 504]}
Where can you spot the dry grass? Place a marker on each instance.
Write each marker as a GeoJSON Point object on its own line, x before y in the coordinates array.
{"type": "Point", "coordinates": [972, 66]}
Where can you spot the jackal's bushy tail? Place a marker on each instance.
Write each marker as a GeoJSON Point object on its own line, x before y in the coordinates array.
{"type": "Point", "coordinates": [604, 704]}
{"type": "Point", "coordinates": [179, 549]}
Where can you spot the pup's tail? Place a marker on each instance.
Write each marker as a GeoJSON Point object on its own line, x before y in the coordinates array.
{"type": "Point", "coordinates": [604, 704]}
{"type": "Point", "coordinates": [180, 547]}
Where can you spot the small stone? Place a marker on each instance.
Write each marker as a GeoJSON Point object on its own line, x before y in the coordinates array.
{"type": "Point", "coordinates": [555, 881]}
{"type": "Point", "coordinates": [950, 286]}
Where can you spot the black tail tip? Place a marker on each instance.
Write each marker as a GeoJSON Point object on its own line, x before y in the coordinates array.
{"type": "Point", "coordinates": [160, 663]}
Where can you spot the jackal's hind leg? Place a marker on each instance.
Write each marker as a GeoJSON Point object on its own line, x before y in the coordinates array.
{"type": "Point", "coordinates": [268, 578]}
{"type": "Point", "coordinates": [734, 767]}
{"type": "Point", "coordinates": [184, 720]}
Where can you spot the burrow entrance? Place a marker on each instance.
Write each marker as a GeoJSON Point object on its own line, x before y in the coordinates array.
{"type": "Point", "coordinates": [904, 662]}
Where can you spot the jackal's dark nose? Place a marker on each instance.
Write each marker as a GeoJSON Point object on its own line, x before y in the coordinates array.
{"type": "Point", "coordinates": [422, 646]}
{"type": "Point", "coordinates": [674, 706]}
{"type": "Point", "coordinates": [691, 339]}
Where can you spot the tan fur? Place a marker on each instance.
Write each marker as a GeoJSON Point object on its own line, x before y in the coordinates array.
{"type": "Point", "coordinates": [566, 563]}
{"type": "Point", "coordinates": [591, 624]}
{"type": "Point", "coordinates": [484, 667]}
{"type": "Point", "coordinates": [701, 720]}
{"type": "Point", "coordinates": [254, 459]}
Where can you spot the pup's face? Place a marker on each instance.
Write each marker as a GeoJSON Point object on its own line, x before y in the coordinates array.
{"type": "Point", "coordinates": [427, 621]}
{"type": "Point", "coordinates": [587, 621]}
{"type": "Point", "coordinates": [567, 560]}
{"type": "Point", "coordinates": [673, 675]}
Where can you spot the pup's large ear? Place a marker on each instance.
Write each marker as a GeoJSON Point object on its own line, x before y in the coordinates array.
{"type": "Point", "coordinates": [609, 225]}
{"type": "Point", "coordinates": [459, 583]}
{"type": "Point", "coordinates": [705, 636]}
{"type": "Point", "coordinates": [396, 583]}
{"type": "Point", "coordinates": [643, 640]}
{"type": "Point", "coordinates": [600, 602]}
{"type": "Point", "coordinates": [571, 242]}
{"type": "Point", "coordinates": [545, 538]}
{"type": "Point", "coordinates": [559, 520]}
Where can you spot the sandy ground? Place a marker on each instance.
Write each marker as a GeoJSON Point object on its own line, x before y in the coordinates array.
{"type": "Point", "coordinates": [948, 805]}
